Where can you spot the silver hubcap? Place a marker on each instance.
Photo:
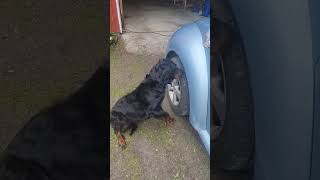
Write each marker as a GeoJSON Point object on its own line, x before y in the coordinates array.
{"type": "Point", "coordinates": [174, 92]}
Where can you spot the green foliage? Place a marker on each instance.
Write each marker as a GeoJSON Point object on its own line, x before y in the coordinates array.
{"type": "Point", "coordinates": [113, 39]}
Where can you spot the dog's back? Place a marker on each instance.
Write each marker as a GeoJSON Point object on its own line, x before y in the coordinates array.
{"type": "Point", "coordinates": [133, 107]}
{"type": "Point", "coordinates": [141, 103]}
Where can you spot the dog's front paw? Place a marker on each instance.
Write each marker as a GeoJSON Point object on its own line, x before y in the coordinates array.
{"type": "Point", "coordinates": [122, 142]}
{"type": "Point", "coordinates": [169, 121]}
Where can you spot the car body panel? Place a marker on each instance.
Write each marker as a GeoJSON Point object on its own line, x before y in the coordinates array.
{"type": "Point", "coordinates": [315, 166]}
{"type": "Point", "coordinates": [187, 44]}
{"type": "Point", "coordinates": [278, 43]}
{"type": "Point", "coordinates": [315, 30]}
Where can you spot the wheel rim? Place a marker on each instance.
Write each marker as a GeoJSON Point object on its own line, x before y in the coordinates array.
{"type": "Point", "coordinates": [219, 95]}
{"type": "Point", "coordinates": [174, 92]}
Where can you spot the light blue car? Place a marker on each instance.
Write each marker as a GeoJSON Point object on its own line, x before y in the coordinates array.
{"type": "Point", "coordinates": [268, 88]}
{"type": "Point", "coordinates": [189, 48]}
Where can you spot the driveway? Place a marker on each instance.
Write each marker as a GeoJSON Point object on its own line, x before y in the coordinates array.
{"type": "Point", "coordinates": [150, 24]}
{"type": "Point", "coordinates": [154, 151]}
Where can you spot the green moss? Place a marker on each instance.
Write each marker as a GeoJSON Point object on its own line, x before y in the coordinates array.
{"type": "Point", "coordinates": [124, 76]}
{"type": "Point", "coordinates": [113, 39]}
{"type": "Point", "coordinates": [113, 138]}
{"type": "Point", "coordinates": [157, 136]}
{"type": "Point", "coordinates": [131, 160]}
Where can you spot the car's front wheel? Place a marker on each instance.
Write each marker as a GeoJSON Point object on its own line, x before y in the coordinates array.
{"type": "Point", "coordinates": [178, 93]}
{"type": "Point", "coordinates": [233, 122]}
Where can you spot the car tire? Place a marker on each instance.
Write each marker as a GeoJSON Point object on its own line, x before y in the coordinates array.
{"type": "Point", "coordinates": [182, 108]}
{"type": "Point", "coordinates": [233, 148]}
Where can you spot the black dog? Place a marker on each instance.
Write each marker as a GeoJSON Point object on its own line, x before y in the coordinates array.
{"type": "Point", "coordinates": [145, 101]}
{"type": "Point", "coordinates": [64, 142]}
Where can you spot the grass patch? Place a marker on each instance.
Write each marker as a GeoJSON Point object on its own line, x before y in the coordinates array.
{"type": "Point", "coordinates": [126, 74]}
{"type": "Point", "coordinates": [132, 169]}
{"type": "Point", "coordinates": [157, 136]}
{"type": "Point", "coordinates": [113, 39]}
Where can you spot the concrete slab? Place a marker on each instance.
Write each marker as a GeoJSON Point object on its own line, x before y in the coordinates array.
{"type": "Point", "coordinates": [149, 25]}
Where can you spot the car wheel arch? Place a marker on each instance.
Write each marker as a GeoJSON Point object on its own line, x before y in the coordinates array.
{"type": "Point", "coordinates": [195, 95]}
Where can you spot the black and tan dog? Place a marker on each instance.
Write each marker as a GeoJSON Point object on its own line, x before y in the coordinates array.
{"type": "Point", "coordinates": [145, 101]}
{"type": "Point", "coordinates": [66, 141]}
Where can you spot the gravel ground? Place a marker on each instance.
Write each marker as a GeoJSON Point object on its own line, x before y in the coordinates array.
{"type": "Point", "coordinates": [154, 151]}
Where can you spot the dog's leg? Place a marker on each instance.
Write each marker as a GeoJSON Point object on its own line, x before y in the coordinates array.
{"type": "Point", "coordinates": [159, 113]}
{"type": "Point", "coordinates": [168, 120]}
{"type": "Point", "coordinates": [133, 128]}
{"type": "Point", "coordinates": [121, 139]}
